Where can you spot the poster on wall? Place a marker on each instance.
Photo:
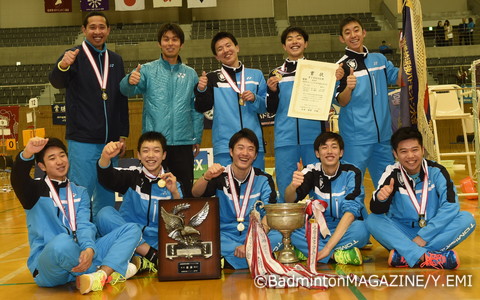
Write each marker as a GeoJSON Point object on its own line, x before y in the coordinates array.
{"type": "Point", "coordinates": [58, 6]}
{"type": "Point", "coordinates": [129, 5]}
{"type": "Point", "coordinates": [201, 3]}
{"type": "Point", "coordinates": [9, 115]}
{"type": "Point", "coordinates": [91, 5]}
{"type": "Point", "coordinates": [167, 3]}
{"type": "Point", "coordinates": [59, 114]}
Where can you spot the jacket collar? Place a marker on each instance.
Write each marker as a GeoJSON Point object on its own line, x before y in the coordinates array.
{"type": "Point", "coordinates": [357, 55]}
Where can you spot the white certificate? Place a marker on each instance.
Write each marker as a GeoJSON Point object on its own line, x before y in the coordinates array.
{"type": "Point", "coordinates": [313, 90]}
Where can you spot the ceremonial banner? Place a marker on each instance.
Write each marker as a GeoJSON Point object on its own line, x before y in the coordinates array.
{"type": "Point", "coordinates": [129, 5]}
{"type": "Point", "coordinates": [91, 5]}
{"type": "Point", "coordinates": [58, 6]}
{"type": "Point", "coordinates": [414, 91]}
{"type": "Point", "coordinates": [313, 90]}
{"type": "Point", "coordinates": [10, 114]}
{"type": "Point", "coordinates": [167, 3]}
{"type": "Point", "coordinates": [201, 3]}
{"type": "Point", "coordinates": [188, 239]}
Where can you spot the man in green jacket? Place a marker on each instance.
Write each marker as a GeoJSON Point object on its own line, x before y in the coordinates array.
{"type": "Point", "coordinates": [167, 88]}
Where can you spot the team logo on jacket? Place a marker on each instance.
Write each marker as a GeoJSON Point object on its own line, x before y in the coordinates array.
{"type": "Point", "coordinates": [181, 75]}
{"type": "Point", "coordinates": [400, 179]}
{"type": "Point", "coordinates": [220, 76]}
{"type": "Point", "coordinates": [320, 183]}
{"type": "Point", "coordinates": [352, 63]}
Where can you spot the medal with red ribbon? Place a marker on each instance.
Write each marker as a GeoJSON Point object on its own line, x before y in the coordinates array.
{"type": "Point", "coordinates": [233, 84]}
{"type": "Point", "coordinates": [101, 80]}
{"type": "Point", "coordinates": [161, 183]}
{"type": "Point", "coordinates": [420, 208]}
{"type": "Point", "coordinates": [240, 211]}
{"type": "Point", "coordinates": [71, 217]}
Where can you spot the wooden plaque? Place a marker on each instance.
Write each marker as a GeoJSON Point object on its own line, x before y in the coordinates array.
{"type": "Point", "coordinates": [188, 239]}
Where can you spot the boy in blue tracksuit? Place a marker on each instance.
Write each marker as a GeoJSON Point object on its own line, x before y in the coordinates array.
{"type": "Point", "coordinates": [142, 188]}
{"type": "Point", "coordinates": [294, 137]}
{"type": "Point", "coordinates": [364, 121]}
{"type": "Point", "coordinates": [340, 186]}
{"type": "Point", "coordinates": [237, 96]}
{"type": "Point", "coordinates": [62, 238]}
{"type": "Point", "coordinates": [415, 210]}
{"type": "Point", "coordinates": [167, 88]}
{"type": "Point", "coordinates": [238, 186]}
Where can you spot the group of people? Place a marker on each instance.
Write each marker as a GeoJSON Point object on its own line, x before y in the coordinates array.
{"type": "Point", "coordinates": [444, 33]}
{"type": "Point", "coordinates": [94, 244]}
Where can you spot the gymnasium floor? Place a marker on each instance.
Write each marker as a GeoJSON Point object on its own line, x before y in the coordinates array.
{"type": "Point", "coordinates": [463, 283]}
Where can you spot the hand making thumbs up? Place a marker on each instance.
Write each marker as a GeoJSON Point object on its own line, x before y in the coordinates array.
{"type": "Point", "coordinates": [68, 58]}
{"type": "Point", "coordinates": [385, 192]}
{"type": "Point", "coordinates": [297, 178]}
{"type": "Point", "coordinates": [351, 80]}
{"type": "Point", "coordinates": [202, 81]}
{"type": "Point", "coordinates": [134, 78]}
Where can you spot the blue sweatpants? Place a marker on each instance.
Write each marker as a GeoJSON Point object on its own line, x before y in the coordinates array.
{"type": "Point", "coordinates": [394, 235]}
{"type": "Point", "coordinates": [229, 240]}
{"type": "Point", "coordinates": [376, 157]}
{"type": "Point", "coordinates": [83, 159]}
{"type": "Point", "coordinates": [108, 218]}
{"type": "Point", "coordinates": [60, 255]}
{"type": "Point", "coordinates": [355, 236]}
{"type": "Point", "coordinates": [225, 159]}
{"type": "Point", "coordinates": [286, 159]}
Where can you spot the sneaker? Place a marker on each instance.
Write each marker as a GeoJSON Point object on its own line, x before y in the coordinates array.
{"type": "Point", "coordinates": [117, 277]}
{"type": "Point", "coordinates": [441, 260]}
{"type": "Point", "coordinates": [91, 282]}
{"type": "Point", "coordinates": [396, 260]}
{"type": "Point", "coordinates": [143, 264]}
{"type": "Point", "coordinates": [351, 256]}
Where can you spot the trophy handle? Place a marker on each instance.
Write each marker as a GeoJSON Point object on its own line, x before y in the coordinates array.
{"type": "Point", "coordinates": [259, 205]}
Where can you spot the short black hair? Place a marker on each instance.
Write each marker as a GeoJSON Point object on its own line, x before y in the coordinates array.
{"type": "Point", "coordinates": [152, 136]}
{"type": "Point", "coordinates": [323, 137]}
{"type": "Point", "coordinates": [175, 28]}
{"type": "Point", "coordinates": [290, 29]}
{"type": "Point", "coordinates": [405, 133]}
{"type": "Point", "coordinates": [221, 35]}
{"type": "Point", "coordinates": [244, 133]}
{"type": "Point", "coordinates": [52, 142]}
{"type": "Point", "coordinates": [93, 14]}
{"type": "Point", "coordinates": [347, 21]}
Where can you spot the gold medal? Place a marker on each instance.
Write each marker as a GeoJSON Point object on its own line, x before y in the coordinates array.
{"type": "Point", "coordinates": [277, 74]}
{"type": "Point", "coordinates": [240, 101]}
{"type": "Point", "coordinates": [104, 95]}
{"type": "Point", "coordinates": [422, 223]}
{"type": "Point", "coordinates": [240, 227]}
{"type": "Point", "coordinates": [161, 183]}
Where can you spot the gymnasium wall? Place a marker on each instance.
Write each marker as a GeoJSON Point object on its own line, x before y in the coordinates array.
{"type": "Point", "coordinates": [31, 13]}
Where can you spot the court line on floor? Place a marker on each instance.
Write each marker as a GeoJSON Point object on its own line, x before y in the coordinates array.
{"type": "Point", "coordinates": [13, 274]}
{"type": "Point", "coordinates": [356, 292]}
{"type": "Point", "coordinates": [2, 255]}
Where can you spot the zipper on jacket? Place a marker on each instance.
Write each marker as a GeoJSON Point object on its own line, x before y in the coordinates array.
{"type": "Point", "coordinates": [149, 205]}
{"type": "Point", "coordinates": [154, 211]}
{"type": "Point", "coordinates": [336, 207]}
{"type": "Point", "coordinates": [373, 106]}
{"type": "Point", "coordinates": [240, 111]}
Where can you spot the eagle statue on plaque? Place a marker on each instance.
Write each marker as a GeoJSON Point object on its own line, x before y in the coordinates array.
{"type": "Point", "coordinates": [188, 237]}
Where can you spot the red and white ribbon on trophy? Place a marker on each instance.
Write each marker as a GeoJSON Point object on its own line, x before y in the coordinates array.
{"type": "Point", "coordinates": [262, 263]}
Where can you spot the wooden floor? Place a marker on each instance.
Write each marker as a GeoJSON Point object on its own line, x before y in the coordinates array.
{"type": "Point", "coordinates": [463, 283]}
